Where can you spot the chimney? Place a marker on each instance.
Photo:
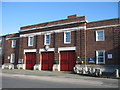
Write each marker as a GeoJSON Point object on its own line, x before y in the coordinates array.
{"type": "Point", "coordinates": [72, 16]}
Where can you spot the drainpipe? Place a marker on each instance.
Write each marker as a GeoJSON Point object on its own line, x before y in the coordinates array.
{"type": "Point", "coordinates": [85, 47]}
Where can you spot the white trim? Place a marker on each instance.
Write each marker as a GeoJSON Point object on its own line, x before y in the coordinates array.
{"type": "Point", "coordinates": [51, 26]}
{"type": "Point", "coordinates": [49, 49]}
{"type": "Point", "coordinates": [66, 49]}
{"type": "Point", "coordinates": [102, 26]}
{"type": "Point", "coordinates": [29, 40]}
{"type": "Point", "coordinates": [24, 66]}
{"type": "Point", "coordinates": [29, 50]}
{"type": "Point", "coordinates": [8, 66]}
{"type": "Point", "coordinates": [59, 67]}
{"type": "Point", "coordinates": [97, 57]}
{"type": "Point", "coordinates": [12, 58]}
{"type": "Point", "coordinates": [45, 39]}
{"type": "Point", "coordinates": [97, 35]}
{"type": "Point", "coordinates": [12, 38]}
{"type": "Point", "coordinates": [65, 37]}
{"type": "Point", "coordinates": [37, 67]}
{"type": "Point", "coordinates": [54, 31]}
{"type": "Point", "coordinates": [13, 41]}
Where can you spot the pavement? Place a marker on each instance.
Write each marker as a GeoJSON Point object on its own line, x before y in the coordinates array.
{"type": "Point", "coordinates": [66, 77]}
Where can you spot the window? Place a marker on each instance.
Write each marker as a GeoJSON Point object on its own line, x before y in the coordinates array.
{"type": "Point", "coordinates": [0, 39]}
{"type": "Point", "coordinates": [30, 41]}
{"type": "Point", "coordinates": [100, 35]}
{"type": "Point", "coordinates": [12, 59]}
{"type": "Point", "coordinates": [13, 43]}
{"type": "Point", "coordinates": [47, 39]}
{"type": "Point", "coordinates": [100, 57]}
{"type": "Point", "coordinates": [67, 37]}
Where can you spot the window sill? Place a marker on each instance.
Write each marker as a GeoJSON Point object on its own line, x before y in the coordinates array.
{"type": "Point", "coordinates": [13, 47]}
{"type": "Point", "coordinates": [30, 46]}
{"type": "Point", "coordinates": [100, 63]}
{"type": "Point", "coordinates": [46, 44]}
{"type": "Point", "coordinates": [67, 42]}
{"type": "Point", "coordinates": [99, 40]}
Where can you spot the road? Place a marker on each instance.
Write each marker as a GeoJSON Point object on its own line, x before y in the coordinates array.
{"type": "Point", "coordinates": [10, 80]}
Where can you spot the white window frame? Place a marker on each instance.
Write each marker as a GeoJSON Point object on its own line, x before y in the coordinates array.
{"type": "Point", "coordinates": [13, 41]}
{"type": "Point", "coordinates": [29, 40]}
{"type": "Point", "coordinates": [12, 59]}
{"type": "Point", "coordinates": [103, 57]}
{"type": "Point", "coordinates": [0, 39]}
{"type": "Point", "coordinates": [97, 35]}
{"type": "Point", "coordinates": [45, 39]}
{"type": "Point", "coordinates": [65, 37]}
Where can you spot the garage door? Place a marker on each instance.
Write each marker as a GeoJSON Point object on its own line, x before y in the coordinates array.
{"type": "Point", "coordinates": [30, 60]}
{"type": "Point", "coordinates": [67, 60]}
{"type": "Point", "coordinates": [47, 60]}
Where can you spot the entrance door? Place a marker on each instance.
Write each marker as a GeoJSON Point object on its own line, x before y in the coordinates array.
{"type": "Point", "coordinates": [67, 60]}
{"type": "Point", "coordinates": [30, 60]}
{"type": "Point", "coordinates": [47, 60]}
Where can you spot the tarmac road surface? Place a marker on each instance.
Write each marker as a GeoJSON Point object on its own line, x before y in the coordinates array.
{"type": "Point", "coordinates": [10, 79]}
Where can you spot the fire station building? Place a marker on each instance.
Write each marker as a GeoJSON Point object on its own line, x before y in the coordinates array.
{"type": "Point", "coordinates": [64, 44]}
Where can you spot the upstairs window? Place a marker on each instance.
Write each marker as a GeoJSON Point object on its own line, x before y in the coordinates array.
{"type": "Point", "coordinates": [47, 39]}
{"type": "Point", "coordinates": [30, 41]}
{"type": "Point", "coordinates": [12, 59]}
{"type": "Point", "coordinates": [100, 57]}
{"type": "Point", "coordinates": [13, 43]}
{"type": "Point", "coordinates": [0, 39]}
{"type": "Point", "coordinates": [67, 37]}
{"type": "Point", "coordinates": [100, 35]}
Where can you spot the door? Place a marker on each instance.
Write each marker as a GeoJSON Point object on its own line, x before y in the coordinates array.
{"type": "Point", "coordinates": [30, 60]}
{"type": "Point", "coordinates": [67, 60]}
{"type": "Point", "coordinates": [47, 60]}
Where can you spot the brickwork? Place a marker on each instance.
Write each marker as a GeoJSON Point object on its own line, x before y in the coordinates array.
{"type": "Point", "coordinates": [116, 45]}
{"type": "Point", "coordinates": [84, 40]}
{"type": "Point", "coordinates": [93, 45]}
{"type": "Point", "coordinates": [8, 50]}
{"type": "Point", "coordinates": [54, 22]}
{"type": "Point", "coordinates": [103, 23]}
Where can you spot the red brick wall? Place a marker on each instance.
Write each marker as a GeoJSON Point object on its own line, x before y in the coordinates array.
{"type": "Point", "coordinates": [8, 50]}
{"type": "Point", "coordinates": [103, 23]}
{"type": "Point", "coordinates": [57, 39]}
{"type": "Point", "coordinates": [109, 45]}
{"type": "Point", "coordinates": [53, 28]}
{"type": "Point", "coordinates": [54, 22]}
{"type": "Point", "coordinates": [84, 40]}
{"type": "Point", "coordinates": [80, 45]}
{"type": "Point", "coordinates": [116, 45]}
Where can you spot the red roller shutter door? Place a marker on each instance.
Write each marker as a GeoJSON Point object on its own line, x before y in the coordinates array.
{"type": "Point", "coordinates": [47, 60]}
{"type": "Point", "coordinates": [67, 61]}
{"type": "Point", "coordinates": [30, 60]}
{"type": "Point", "coordinates": [71, 59]}
{"type": "Point", "coordinates": [64, 61]}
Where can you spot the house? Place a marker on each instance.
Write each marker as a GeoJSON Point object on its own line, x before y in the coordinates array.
{"type": "Point", "coordinates": [10, 47]}
{"type": "Point", "coordinates": [1, 51]}
{"type": "Point", "coordinates": [64, 44]}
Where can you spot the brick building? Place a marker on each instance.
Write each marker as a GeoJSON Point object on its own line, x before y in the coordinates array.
{"type": "Point", "coordinates": [10, 47]}
{"type": "Point", "coordinates": [64, 44]}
